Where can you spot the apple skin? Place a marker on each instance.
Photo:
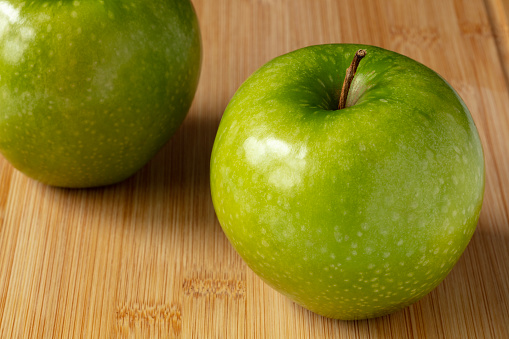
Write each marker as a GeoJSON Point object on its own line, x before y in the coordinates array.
{"type": "Point", "coordinates": [91, 90]}
{"type": "Point", "coordinates": [352, 213]}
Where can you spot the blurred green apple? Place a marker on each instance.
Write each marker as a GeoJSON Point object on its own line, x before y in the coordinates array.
{"type": "Point", "coordinates": [91, 90]}
{"type": "Point", "coordinates": [352, 213]}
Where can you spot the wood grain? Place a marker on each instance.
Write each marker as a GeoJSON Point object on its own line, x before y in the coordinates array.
{"type": "Point", "coordinates": [147, 257]}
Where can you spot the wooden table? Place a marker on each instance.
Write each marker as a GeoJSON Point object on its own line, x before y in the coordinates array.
{"type": "Point", "coordinates": [147, 257]}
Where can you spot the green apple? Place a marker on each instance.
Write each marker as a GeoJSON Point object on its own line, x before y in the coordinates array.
{"type": "Point", "coordinates": [352, 213]}
{"type": "Point", "coordinates": [91, 90]}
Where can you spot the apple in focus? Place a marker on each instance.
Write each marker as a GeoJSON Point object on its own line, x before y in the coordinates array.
{"type": "Point", "coordinates": [352, 213]}
{"type": "Point", "coordinates": [91, 90]}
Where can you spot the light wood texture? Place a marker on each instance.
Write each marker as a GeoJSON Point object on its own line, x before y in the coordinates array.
{"type": "Point", "coordinates": [147, 257]}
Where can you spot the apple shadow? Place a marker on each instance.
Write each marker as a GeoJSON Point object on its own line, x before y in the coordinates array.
{"type": "Point", "coordinates": [183, 164]}
{"type": "Point", "coordinates": [178, 176]}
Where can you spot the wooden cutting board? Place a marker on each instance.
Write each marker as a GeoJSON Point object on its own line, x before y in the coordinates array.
{"type": "Point", "coordinates": [147, 257]}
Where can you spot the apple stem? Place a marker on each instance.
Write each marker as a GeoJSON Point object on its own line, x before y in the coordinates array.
{"type": "Point", "coordinates": [350, 73]}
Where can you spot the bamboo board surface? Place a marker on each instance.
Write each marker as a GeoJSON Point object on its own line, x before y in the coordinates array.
{"type": "Point", "coordinates": [147, 257]}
